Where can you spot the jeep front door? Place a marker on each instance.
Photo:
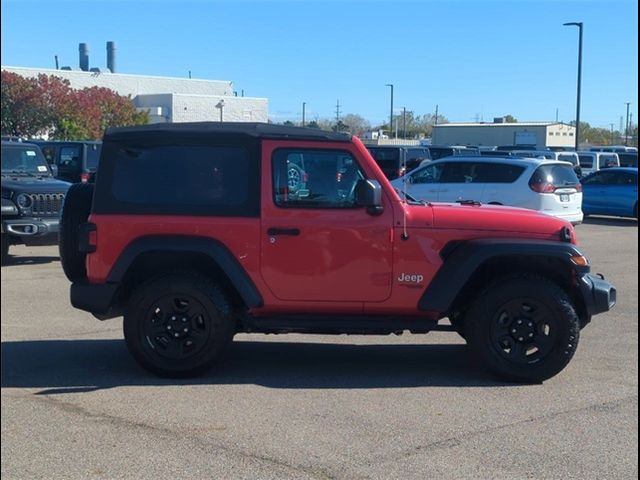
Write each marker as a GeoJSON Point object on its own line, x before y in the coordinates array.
{"type": "Point", "coordinates": [317, 244]}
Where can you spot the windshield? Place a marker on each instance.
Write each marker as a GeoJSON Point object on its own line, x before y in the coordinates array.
{"type": "Point", "coordinates": [93, 155]}
{"type": "Point", "coordinates": [23, 161]}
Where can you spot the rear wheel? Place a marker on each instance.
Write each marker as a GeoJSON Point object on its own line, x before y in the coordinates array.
{"type": "Point", "coordinates": [523, 328]}
{"type": "Point", "coordinates": [178, 325]}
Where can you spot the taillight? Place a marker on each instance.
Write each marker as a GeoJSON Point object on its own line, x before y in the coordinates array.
{"type": "Point", "coordinates": [84, 177]}
{"type": "Point", "coordinates": [578, 187]}
{"type": "Point", "coordinates": [402, 171]}
{"type": "Point", "coordinates": [542, 187]}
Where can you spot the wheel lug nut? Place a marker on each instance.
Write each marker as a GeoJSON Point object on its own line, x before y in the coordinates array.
{"type": "Point", "coordinates": [530, 324]}
{"type": "Point", "coordinates": [531, 335]}
{"type": "Point", "coordinates": [185, 330]}
{"type": "Point", "coordinates": [173, 318]}
{"type": "Point", "coordinates": [521, 339]}
{"type": "Point", "coordinates": [519, 322]}
{"type": "Point", "coordinates": [168, 327]}
{"type": "Point", "coordinates": [184, 319]}
{"type": "Point", "coordinates": [176, 335]}
{"type": "Point", "coordinates": [513, 331]}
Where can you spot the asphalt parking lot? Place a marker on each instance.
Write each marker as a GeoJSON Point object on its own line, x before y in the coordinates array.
{"type": "Point", "coordinates": [75, 405]}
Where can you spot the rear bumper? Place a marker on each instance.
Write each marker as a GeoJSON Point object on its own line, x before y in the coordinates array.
{"type": "Point", "coordinates": [599, 295]}
{"type": "Point", "coordinates": [98, 299]}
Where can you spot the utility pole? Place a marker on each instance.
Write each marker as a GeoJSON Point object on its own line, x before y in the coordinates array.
{"type": "Point", "coordinates": [436, 115]}
{"type": "Point", "coordinates": [580, 26]}
{"type": "Point", "coordinates": [391, 111]}
{"type": "Point", "coordinates": [404, 123]}
{"type": "Point", "coordinates": [626, 130]}
{"type": "Point", "coordinates": [337, 112]}
{"type": "Point", "coordinates": [304, 105]}
{"type": "Point", "coordinates": [611, 124]}
{"type": "Point", "coordinates": [556, 115]}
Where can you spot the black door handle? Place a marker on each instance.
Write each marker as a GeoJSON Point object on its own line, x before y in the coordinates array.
{"type": "Point", "coordinates": [283, 231]}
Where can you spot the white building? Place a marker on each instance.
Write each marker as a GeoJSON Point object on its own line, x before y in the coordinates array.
{"type": "Point", "coordinates": [540, 134]}
{"type": "Point", "coordinates": [167, 99]}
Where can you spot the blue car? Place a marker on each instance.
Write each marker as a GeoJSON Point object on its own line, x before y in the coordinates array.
{"type": "Point", "coordinates": [612, 191]}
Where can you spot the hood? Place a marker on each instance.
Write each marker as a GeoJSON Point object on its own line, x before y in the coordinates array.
{"type": "Point", "coordinates": [495, 218]}
{"type": "Point", "coordinates": [34, 185]}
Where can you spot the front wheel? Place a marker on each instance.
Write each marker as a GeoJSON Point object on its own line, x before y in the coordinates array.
{"type": "Point", "coordinates": [523, 328]}
{"type": "Point", "coordinates": [178, 325]}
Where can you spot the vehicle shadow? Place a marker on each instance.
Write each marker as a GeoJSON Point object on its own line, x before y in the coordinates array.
{"type": "Point", "coordinates": [68, 366]}
{"type": "Point", "coordinates": [611, 221]}
{"type": "Point", "coordinates": [13, 260]}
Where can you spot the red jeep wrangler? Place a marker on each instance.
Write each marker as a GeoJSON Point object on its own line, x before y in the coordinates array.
{"type": "Point", "coordinates": [195, 232]}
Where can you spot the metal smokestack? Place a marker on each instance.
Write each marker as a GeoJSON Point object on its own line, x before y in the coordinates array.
{"type": "Point", "coordinates": [111, 56]}
{"type": "Point", "coordinates": [84, 57]}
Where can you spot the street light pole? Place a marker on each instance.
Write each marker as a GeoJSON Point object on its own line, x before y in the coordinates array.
{"type": "Point", "coordinates": [391, 111]}
{"type": "Point", "coordinates": [304, 106]}
{"type": "Point", "coordinates": [626, 128]}
{"type": "Point", "coordinates": [579, 25]}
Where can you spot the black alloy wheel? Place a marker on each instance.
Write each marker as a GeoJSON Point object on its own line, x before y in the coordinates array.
{"type": "Point", "coordinates": [523, 330]}
{"type": "Point", "coordinates": [176, 326]}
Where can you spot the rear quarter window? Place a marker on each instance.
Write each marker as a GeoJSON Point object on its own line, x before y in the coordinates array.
{"type": "Point", "coordinates": [178, 180]}
{"type": "Point", "coordinates": [498, 172]}
{"type": "Point", "coordinates": [556, 175]}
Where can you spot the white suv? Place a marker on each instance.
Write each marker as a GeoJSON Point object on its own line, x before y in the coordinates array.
{"type": "Point", "coordinates": [548, 186]}
{"type": "Point", "coordinates": [594, 161]}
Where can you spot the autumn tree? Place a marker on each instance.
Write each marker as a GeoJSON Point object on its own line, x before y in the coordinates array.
{"type": "Point", "coordinates": [48, 105]}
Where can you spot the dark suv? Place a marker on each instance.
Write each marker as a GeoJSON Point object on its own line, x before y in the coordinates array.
{"type": "Point", "coordinates": [194, 234]}
{"type": "Point", "coordinates": [31, 197]}
{"type": "Point", "coordinates": [395, 161]}
{"type": "Point", "coordinates": [77, 161]}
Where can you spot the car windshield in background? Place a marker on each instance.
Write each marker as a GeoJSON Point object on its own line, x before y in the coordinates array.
{"type": "Point", "coordinates": [556, 175]}
{"type": "Point", "coordinates": [586, 161]}
{"type": "Point", "coordinates": [93, 155]}
{"type": "Point", "coordinates": [437, 153]}
{"type": "Point", "coordinates": [628, 159]}
{"type": "Point", "coordinates": [23, 161]}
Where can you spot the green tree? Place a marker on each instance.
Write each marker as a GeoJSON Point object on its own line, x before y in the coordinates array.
{"type": "Point", "coordinates": [510, 119]}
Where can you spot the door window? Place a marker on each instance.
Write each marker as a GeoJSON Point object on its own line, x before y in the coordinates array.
{"type": "Point", "coordinates": [429, 174]}
{"type": "Point", "coordinates": [69, 157]}
{"type": "Point", "coordinates": [603, 178]}
{"type": "Point", "coordinates": [497, 173]}
{"type": "Point", "coordinates": [460, 172]}
{"type": "Point", "coordinates": [315, 178]}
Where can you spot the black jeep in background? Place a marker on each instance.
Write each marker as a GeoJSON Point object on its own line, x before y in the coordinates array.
{"type": "Point", "coordinates": [77, 161]}
{"type": "Point", "coordinates": [31, 197]}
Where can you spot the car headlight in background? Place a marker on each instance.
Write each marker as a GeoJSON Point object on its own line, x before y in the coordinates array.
{"type": "Point", "coordinates": [23, 200]}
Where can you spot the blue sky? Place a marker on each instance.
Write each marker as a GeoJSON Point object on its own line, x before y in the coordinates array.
{"type": "Point", "coordinates": [475, 59]}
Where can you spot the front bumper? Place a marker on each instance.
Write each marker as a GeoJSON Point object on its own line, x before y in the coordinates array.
{"type": "Point", "coordinates": [599, 295]}
{"type": "Point", "coordinates": [33, 230]}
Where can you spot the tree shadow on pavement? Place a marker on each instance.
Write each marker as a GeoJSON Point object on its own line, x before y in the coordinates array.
{"type": "Point", "coordinates": [68, 366]}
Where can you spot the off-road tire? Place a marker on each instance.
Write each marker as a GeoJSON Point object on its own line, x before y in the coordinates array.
{"type": "Point", "coordinates": [77, 207]}
{"type": "Point", "coordinates": [149, 337]}
{"type": "Point", "coordinates": [552, 311]}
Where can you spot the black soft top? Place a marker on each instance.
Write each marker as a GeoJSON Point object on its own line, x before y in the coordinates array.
{"type": "Point", "coordinates": [223, 129]}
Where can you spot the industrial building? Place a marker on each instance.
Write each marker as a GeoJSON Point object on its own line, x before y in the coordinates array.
{"type": "Point", "coordinates": [541, 134]}
{"type": "Point", "coordinates": [167, 99]}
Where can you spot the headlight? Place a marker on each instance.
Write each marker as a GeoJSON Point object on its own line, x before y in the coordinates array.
{"type": "Point", "coordinates": [23, 200]}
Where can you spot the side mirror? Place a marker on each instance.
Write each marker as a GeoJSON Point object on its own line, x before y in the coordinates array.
{"type": "Point", "coordinates": [369, 195]}
{"type": "Point", "coordinates": [54, 169]}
